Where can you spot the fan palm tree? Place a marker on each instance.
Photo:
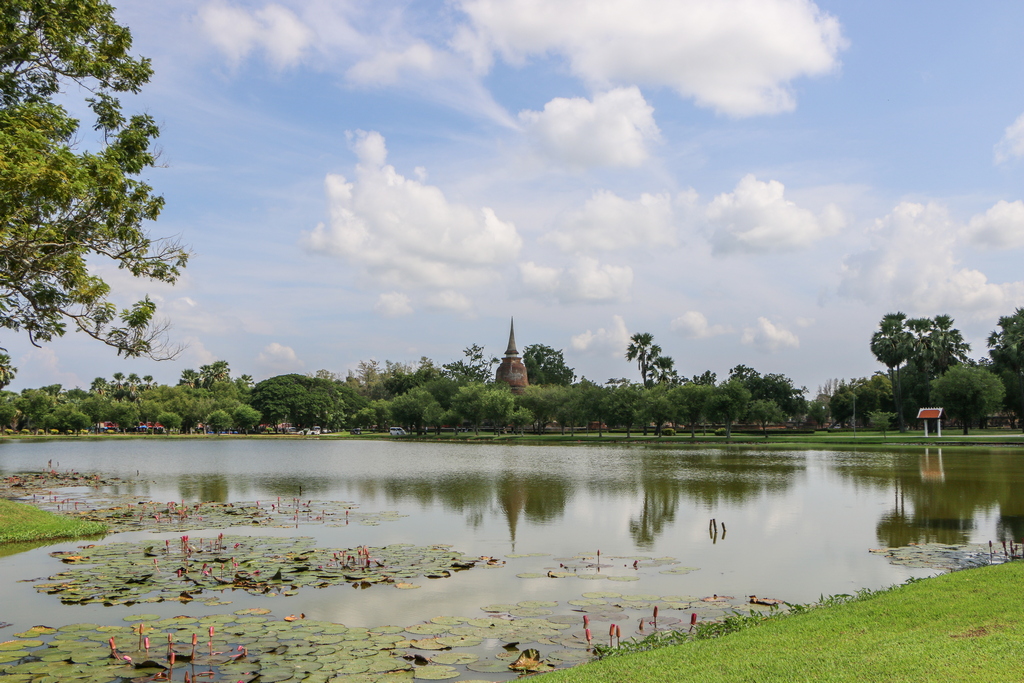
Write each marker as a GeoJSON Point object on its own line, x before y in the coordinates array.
{"type": "Point", "coordinates": [892, 345]}
{"type": "Point", "coordinates": [665, 370]}
{"type": "Point", "coordinates": [7, 371]}
{"type": "Point", "coordinates": [643, 350]}
{"type": "Point", "coordinates": [189, 378]}
{"type": "Point", "coordinates": [1006, 347]}
{"type": "Point", "coordinates": [947, 345]}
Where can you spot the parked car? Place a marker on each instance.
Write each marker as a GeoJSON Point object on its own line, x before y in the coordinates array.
{"type": "Point", "coordinates": [398, 431]}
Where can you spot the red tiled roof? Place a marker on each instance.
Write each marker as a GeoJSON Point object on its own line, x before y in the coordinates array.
{"type": "Point", "coordinates": [929, 413]}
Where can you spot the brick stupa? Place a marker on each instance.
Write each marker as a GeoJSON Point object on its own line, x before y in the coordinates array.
{"type": "Point", "coordinates": [512, 371]}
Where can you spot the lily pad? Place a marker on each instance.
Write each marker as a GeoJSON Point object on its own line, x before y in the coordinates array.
{"type": "Point", "coordinates": [433, 672]}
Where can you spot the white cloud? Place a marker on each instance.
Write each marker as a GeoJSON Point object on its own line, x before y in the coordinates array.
{"type": "Point", "coordinates": [388, 67]}
{"type": "Point", "coordinates": [769, 337]}
{"type": "Point", "coordinates": [1011, 146]}
{"type": "Point", "coordinates": [405, 234]}
{"type": "Point", "coordinates": [45, 368]}
{"type": "Point", "coordinates": [611, 130]}
{"type": "Point", "coordinates": [756, 217]}
{"type": "Point", "coordinates": [735, 56]}
{"type": "Point", "coordinates": [586, 280]}
{"type": "Point", "coordinates": [279, 359]}
{"type": "Point", "coordinates": [915, 266]}
{"type": "Point", "coordinates": [1001, 227]}
{"type": "Point", "coordinates": [195, 353]}
{"type": "Point", "coordinates": [274, 29]}
{"type": "Point", "coordinates": [612, 341]}
{"type": "Point", "coordinates": [608, 222]}
{"type": "Point", "coordinates": [393, 305]}
{"type": "Point", "coordinates": [694, 325]}
{"type": "Point", "coordinates": [450, 301]}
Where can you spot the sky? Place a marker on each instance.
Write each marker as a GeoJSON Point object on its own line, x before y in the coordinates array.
{"type": "Point", "coordinates": [753, 182]}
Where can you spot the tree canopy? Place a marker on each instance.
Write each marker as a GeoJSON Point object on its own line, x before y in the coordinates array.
{"type": "Point", "coordinates": [70, 198]}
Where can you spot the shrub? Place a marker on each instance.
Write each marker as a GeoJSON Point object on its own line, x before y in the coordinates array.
{"type": "Point", "coordinates": [24, 431]}
{"type": "Point", "coordinates": [720, 431]}
{"type": "Point", "coordinates": [668, 431]}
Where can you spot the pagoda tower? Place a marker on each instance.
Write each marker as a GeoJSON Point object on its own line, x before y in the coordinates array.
{"type": "Point", "coordinates": [512, 371]}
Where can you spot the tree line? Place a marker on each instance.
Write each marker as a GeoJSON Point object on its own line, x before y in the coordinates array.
{"type": "Point", "coordinates": [926, 361]}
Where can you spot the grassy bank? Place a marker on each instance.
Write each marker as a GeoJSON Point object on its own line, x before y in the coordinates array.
{"type": "Point", "coordinates": [20, 522]}
{"type": "Point", "coordinates": [967, 625]}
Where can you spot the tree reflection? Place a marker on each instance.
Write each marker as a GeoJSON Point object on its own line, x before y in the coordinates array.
{"type": "Point", "coordinates": [938, 495]}
{"type": "Point", "coordinates": [709, 479]}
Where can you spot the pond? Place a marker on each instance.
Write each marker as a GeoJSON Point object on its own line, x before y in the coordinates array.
{"type": "Point", "coordinates": [791, 524]}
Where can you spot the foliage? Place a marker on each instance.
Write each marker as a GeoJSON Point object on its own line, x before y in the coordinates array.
{"type": "Point", "coordinates": [475, 367]}
{"type": "Point", "coordinates": [765, 412]}
{"type": "Point", "coordinates": [624, 405]}
{"type": "Point", "coordinates": [219, 421]}
{"type": "Point", "coordinates": [693, 404]}
{"type": "Point", "coordinates": [968, 393]}
{"type": "Point", "coordinates": [644, 351]}
{"type": "Point", "coordinates": [170, 421]}
{"type": "Point", "coordinates": [545, 365]}
{"type": "Point", "coordinates": [729, 402]}
{"type": "Point", "coordinates": [245, 417]}
{"type": "Point", "coordinates": [881, 420]}
{"type": "Point", "coordinates": [67, 200]}
{"type": "Point", "coordinates": [818, 412]}
{"type": "Point", "coordinates": [305, 401]}
{"type": "Point", "coordinates": [772, 387]}
{"type": "Point", "coordinates": [1006, 348]}
{"type": "Point", "coordinates": [7, 370]}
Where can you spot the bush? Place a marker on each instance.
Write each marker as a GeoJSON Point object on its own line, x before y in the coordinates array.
{"type": "Point", "coordinates": [668, 431]}
{"type": "Point", "coordinates": [720, 431]}
{"type": "Point", "coordinates": [24, 431]}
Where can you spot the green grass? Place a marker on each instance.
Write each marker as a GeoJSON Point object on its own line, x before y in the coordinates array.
{"type": "Point", "coordinates": [967, 625]}
{"type": "Point", "coordinates": [20, 522]}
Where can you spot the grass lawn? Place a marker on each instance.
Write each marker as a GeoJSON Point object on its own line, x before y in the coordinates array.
{"type": "Point", "coordinates": [22, 522]}
{"type": "Point", "coordinates": [967, 625]}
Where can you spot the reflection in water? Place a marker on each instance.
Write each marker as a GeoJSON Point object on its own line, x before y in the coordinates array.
{"type": "Point", "coordinates": [938, 497]}
{"type": "Point", "coordinates": [733, 478]}
{"type": "Point", "coordinates": [207, 488]}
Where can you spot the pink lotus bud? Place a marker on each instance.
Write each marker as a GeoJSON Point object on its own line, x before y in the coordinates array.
{"type": "Point", "coordinates": [589, 637]}
{"type": "Point", "coordinates": [586, 621]}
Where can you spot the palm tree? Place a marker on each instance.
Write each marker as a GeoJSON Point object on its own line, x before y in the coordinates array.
{"type": "Point", "coordinates": [217, 371]}
{"type": "Point", "coordinates": [7, 371]}
{"type": "Point", "coordinates": [892, 345]}
{"type": "Point", "coordinates": [189, 378]}
{"type": "Point", "coordinates": [947, 345]}
{"type": "Point", "coordinates": [99, 386]}
{"type": "Point", "coordinates": [643, 350]}
{"type": "Point", "coordinates": [117, 386]}
{"type": "Point", "coordinates": [664, 370]}
{"type": "Point", "coordinates": [1006, 347]}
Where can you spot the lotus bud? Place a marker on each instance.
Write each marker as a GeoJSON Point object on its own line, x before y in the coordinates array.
{"type": "Point", "coordinates": [589, 637]}
{"type": "Point", "coordinates": [586, 620]}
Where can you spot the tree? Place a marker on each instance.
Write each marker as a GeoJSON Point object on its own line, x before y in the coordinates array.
{"type": "Point", "coordinates": [891, 346]}
{"type": "Point", "coordinates": [692, 403]}
{"type": "Point", "coordinates": [170, 421]}
{"type": "Point", "coordinates": [245, 417]}
{"type": "Point", "coordinates": [1006, 348]}
{"type": "Point", "coordinates": [665, 370]}
{"type": "Point", "coordinates": [7, 370]}
{"type": "Point", "coordinates": [764, 411]}
{"type": "Point", "coordinates": [881, 419]}
{"type": "Point", "coordinates": [413, 408]}
{"type": "Point", "coordinates": [968, 393]}
{"type": "Point", "coordinates": [475, 368]}
{"type": "Point", "coordinates": [219, 421]}
{"type": "Point", "coordinates": [817, 412]}
{"type": "Point", "coordinates": [545, 365]}
{"type": "Point", "coordinates": [729, 402]}
{"type": "Point", "coordinates": [643, 350]}
{"type": "Point", "coordinates": [498, 405]}
{"type": "Point", "coordinates": [624, 403]}
{"type": "Point", "coordinates": [772, 387]}
{"type": "Point", "coordinates": [68, 199]}
{"type": "Point", "coordinates": [468, 404]}
{"type": "Point", "coordinates": [125, 416]}
{"type": "Point", "coordinates": [304, 401]}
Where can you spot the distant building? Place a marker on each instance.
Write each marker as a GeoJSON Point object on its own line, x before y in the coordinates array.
{"type": "Point", "coordinates": [512, 371]}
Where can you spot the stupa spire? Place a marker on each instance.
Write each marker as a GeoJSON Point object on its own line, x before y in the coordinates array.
{"type": "Point", "coordinates": [511, 350]}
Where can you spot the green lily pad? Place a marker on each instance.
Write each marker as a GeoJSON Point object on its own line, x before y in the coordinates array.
{"type": "Point", "coordinates": [433, 672]}
{"type": "Point", "coordinates": [454, 658]}
{"type": "Point", "coordinates": [623, 578]}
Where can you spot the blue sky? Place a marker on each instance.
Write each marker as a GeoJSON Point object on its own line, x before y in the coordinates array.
{"type": "Point", "coordinates": [752, 181]}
